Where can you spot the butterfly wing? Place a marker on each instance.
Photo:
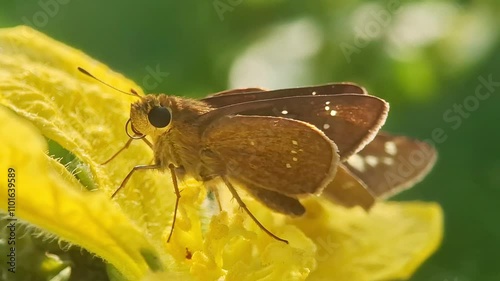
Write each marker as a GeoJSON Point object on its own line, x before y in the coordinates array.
{"type": "Point", "coordinates": [350, 120]}
{"type": "Point", "coordinates": [391, 163]}
{"type": "Point", "coordinates": [276, 201]}
{"type": "Point", "coordinates": [235, 96]}
{"type": "Point", "coordinates": [283, 155]}
{"type": "Point", "coordinates": [382, 181]}
{"type": "Point", "coordinates": [347, 190]}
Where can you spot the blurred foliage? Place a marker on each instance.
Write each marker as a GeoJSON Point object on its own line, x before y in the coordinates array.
{"type": "Point", "coordinates": [424, 57]}
{"type": "Point", "coordinates": [41, 258]}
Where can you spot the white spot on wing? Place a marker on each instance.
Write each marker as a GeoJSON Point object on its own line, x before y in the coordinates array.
{"type": "Point", "coordinates": [326, 126]}
{"type": "Point", "coordinates": [390, 148]}
{"type": "Point", "coordinates": [294, 159]}
{"type": "Point", "coordinates": [294, 142]}
{"type": "Point", "coordinates": [327, 108]}
{"type": "Point", "coordinates": [327, 103]}
{"type": "Point", "coordinates": [313, 93]}
{"type": "Point", "coordinates": [284, 112]}
{"type": "Point", "coordinates": [288, 165]}
{"type": "Point", "coordinates": [333, 112]}
{"type": "Point", "coordinates": [388, 161]}
{"type": "Point", "coordinates": [371, 160]}
{"type": "Point", "coordinates": [293, 152]}
{"type": "Point", "coordinates": [357, 162]}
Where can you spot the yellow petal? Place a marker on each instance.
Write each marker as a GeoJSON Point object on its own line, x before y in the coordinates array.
{"type": "Point", "coordinates": [329, 243]}
{"type": "Point", "coordinates": [39, 81]}
{"type": "Point", "coordinates": [42, 197]}
{"type": "Point", "coordinates": [388, 243]}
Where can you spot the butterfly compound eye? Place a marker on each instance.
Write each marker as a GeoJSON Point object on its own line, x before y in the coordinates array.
{"type": "Point", "coordinates": [159, 116]}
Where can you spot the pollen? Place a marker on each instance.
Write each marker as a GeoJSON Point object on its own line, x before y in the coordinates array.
{"type": "Point", "coordinates": [295, 159]}
{"type": "Point", "coordinates": [288, 165]}
{"type": "Point", "coordinates": [294, 142]}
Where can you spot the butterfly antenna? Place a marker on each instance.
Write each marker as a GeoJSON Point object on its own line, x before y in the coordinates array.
{"type": "Point", "coordinates": [132, 91]}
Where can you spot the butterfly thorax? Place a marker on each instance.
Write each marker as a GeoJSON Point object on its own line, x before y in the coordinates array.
{"type": "Point", "coordinates": [173, 125]}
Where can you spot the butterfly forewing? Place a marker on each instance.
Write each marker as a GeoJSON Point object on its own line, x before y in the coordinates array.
{"type": "Point", "coordinates": [350, 120]}
{"type": "Point", "coordinates": [390, 163]}
{"type": "Point", "coordinates": [270, 153]}
{"type": "Point", "coordinates": [235, 96]}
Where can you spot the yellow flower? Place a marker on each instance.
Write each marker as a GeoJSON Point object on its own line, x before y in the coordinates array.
{"type": "Point", "coordinates": [43, 95]}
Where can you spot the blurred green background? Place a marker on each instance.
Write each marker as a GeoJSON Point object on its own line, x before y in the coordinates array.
{"type": "Point", "coordinates": [427, 58]}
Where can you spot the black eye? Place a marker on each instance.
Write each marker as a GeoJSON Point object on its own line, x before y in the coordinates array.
{"type": "Point", "coordinates": [159, 116]}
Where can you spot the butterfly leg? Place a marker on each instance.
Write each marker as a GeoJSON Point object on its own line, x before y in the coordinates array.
{"type": "Point", "coordinates": [118, 152]}
{"type": "Point", "coordinates": [178, 197]}
{"type": "Point", "coordinates": [217, 197]}
{"type": "Point", "coordinates": [127, 144]}
{"type": "Point", "coordinates": [244, 207]}
{"type": "Point", "coordinates": [215, 191]}
{"type": "Point", "coordinates": [136, 168]}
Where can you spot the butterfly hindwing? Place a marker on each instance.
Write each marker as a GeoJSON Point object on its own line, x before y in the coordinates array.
{"type": "Point", "coordinates": [276, 201]}
{"type": "Point", "coordinates": [271, 153]}
{"type": "Point", "coordinates": [391, 163]}
{"type": "Point", "coordinates": [347, 190]}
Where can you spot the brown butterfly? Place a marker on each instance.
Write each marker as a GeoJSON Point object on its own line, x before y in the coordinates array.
{"type": "Point", "coordinates": [278, 145]}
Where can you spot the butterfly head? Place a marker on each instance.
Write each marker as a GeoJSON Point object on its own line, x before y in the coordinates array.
{"type": "Point", "coordinates": [152, 115]}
